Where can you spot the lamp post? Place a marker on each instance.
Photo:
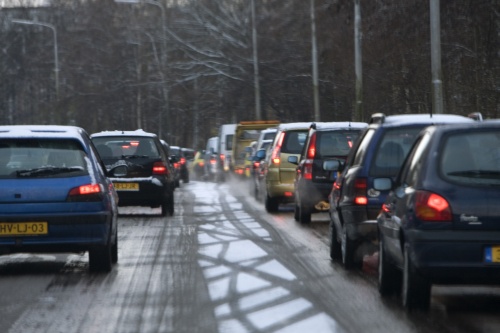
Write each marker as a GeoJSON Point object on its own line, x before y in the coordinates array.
{"type": "Point", "coordinates": [56, 61]}
{"type": "Point", "coordinates": [164, 57]}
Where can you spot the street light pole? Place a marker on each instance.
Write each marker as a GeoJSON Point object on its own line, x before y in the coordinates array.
{"type": "Point", "coordinates": [164, 60]}
{"type": "Point", "coordinates": [56, 59]}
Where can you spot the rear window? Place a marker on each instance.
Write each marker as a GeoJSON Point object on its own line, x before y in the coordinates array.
{"type": "Point", "coordinates": [334, 143]}
{"type": "Point", "coordinates": [472, 158]}
{"type": "Point", "coordinates": [392, 150]}
{"type": "Point", "coordinates": [42, 158]}
{"type": "Point", "coordinates": [293, 142]}
{"type": "Point", "coordinates": [119, 147]}
{"type": "Point", "coordinates": [269, 136]}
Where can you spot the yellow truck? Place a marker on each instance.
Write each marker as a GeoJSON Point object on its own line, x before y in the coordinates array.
{"type": "Point", "coordinates": [247, 132]}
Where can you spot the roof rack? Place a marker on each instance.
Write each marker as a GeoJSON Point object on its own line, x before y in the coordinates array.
{"type": "Point", "coordinates": [377, 118]}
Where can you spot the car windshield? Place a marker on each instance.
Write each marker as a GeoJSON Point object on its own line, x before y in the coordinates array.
{"type": "Point", "coordinates": [392, 150]}
{"type": "Point", "coordinates": [41, 158]}
{"type": "Point", "coordinates": [472, 158]}
{"type": "Point", "coordinates": [125, 147]}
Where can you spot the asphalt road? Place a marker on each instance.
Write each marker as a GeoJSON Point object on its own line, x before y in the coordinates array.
{"type": "Point", "coordinates": [221, 264]}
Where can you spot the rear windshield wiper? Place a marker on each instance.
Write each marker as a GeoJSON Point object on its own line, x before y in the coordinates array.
{"type": "Point", "coordinates": [134, 156]}
{"type": "Point", "coordinates": [47, 170]}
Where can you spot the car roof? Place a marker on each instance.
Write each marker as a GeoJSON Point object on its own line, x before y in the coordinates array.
{"type": "Point", "coordinates": [492, 123]}
{"type": "Point", "coordinates": [269, 130]}
{"type": "Point", "coordinates": [138, 132]}
{"type": "Point", "coordinates": [40, 131]}
{"type": "Point", "coordinates": [294, 126]}
{"type": "Point", "coordinates": [413, 119]}
{"type": "Point", "coordinates": [340, 125]}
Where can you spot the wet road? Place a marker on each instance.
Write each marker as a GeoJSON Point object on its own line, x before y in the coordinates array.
{"type": "Point", "coordinates": [221, 264]}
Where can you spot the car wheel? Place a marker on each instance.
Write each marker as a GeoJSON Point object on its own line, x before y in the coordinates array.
{"type": "Point", "coordinates": [347, 247]}
{"type": "Point", "coordinates": [114, 249]}
{"type": "Point", "coordinates": [296, 213]}
{"type": "Point", "coordinates": [416, 291]}
{"type": "Point", "coordinates": [335, 250]}
{"type": "Point", "coordinates": [171, 204]}
{"type": "Point", "coordinates": [389, 277]}
{"type": "Point", "coordinates": [100, 258]}
{"type": "Point", "coordinates": [271, 204]}
{"type": "Point", "coordinates": [304, 214]}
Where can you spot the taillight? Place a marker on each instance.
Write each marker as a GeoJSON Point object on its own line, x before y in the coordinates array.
{"type": "Point", "coordinates": [159, 169]}
{"type": "Point", "coordinates": [336, 186]}
{"type": "Point", "coordinates": [432, 207]}
{"type": "Point", "coordinates": [213, 161]}
{"type": "Point", "coordinates": [201, 163]}
{"type": "Point", "coordinates": [311, 151]}
{"type": "Point", "coordinates": [360, 186]}
{"type": "Point", "coordinates": [275, 156]}
{"type": "Point", "coordinates": [308, 169]}
{"type": "Point", "coordinates": [88, 192]}
{"type": "Point", "coordinates": [183, 160]}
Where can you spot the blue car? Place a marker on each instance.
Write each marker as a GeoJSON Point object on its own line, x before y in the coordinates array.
{"type": "Point", "coordinates": [440, 223]}
{"type": "Point", "coordinates": [55, 195]}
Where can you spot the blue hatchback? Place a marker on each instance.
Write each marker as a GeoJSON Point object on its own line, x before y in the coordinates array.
{"type": "Point", "coordinates": [55, 194]}
{"type": "Point", "coordinates": [440, 222]}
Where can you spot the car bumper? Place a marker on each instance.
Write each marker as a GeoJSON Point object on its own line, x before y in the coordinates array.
{"type": "Point", "coordinates": [358, 223]}
{"type": "Point", "coordinates": [285, 192]}
{"type": "Point", "coordinates": [312, 194]}
{"type": "Point", "coordinates": [454, 256]}
{"type": "Point", "coordinates": [151, 192]}
{"type": "Point", "coordinates": [67, 232]}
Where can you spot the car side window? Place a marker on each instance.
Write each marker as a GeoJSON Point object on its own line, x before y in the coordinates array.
{"type": "Point", "coordinates": [411, 168]}
{"type": "Point", "coordinates": [363, 147]}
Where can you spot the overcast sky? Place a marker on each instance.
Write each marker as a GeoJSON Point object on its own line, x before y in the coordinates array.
{"type": "Point", "coordinates": [23, 3]}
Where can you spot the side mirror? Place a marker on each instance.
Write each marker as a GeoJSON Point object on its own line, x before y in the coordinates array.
{"type": "Point", "coordinates": [118, 171]}
{"type": "Point", "coordinates": [293, 160]}
{"type": "Point", "coordinates": [261, 154]}
{"type": "Point", "coordinates": [332, 165]}
{"type": "Point", "coordinates": [382, 184]}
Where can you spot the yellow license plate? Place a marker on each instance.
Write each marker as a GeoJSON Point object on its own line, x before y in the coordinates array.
{"type": "Point", "coordinates": [494, 252]}
{"type": "Point", "coordinates": [126, 186]}
{"type": "Point", "coordinates": [23, 228]}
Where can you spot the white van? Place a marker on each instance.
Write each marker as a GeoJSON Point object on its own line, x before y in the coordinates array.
{"type": "Point", "coordinates": [226, 134]}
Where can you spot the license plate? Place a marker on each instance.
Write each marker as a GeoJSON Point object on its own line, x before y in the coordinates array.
{"type": "Point", "coordinates": [492, 254]}
{"type": "Point", "coordinates": [126, 186]}
{"type": "Point", "coordinates": [23, 228]}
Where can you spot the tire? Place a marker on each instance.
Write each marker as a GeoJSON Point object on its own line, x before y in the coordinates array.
{"type": "Point", "coordinates": [100, 259]}
{"type": "Point", "coordinates": [416, 291]}
{"type": "Point", "coordinates": [272, 204]}
{"type": "Point", "coordinates": [167, 207]}
{"type": "Point", "coordinates": [296, 213]}
{"type": "Point", "coordinates": [335, 250]}
{"type": "Point", "coordinates": [389, 277]}
{"type": "Point", "coordinates": [348, 248]}
{"type": "Point", "coordinates": [304, 214]}
{"type": "Point", "coordinates": [114, 250]}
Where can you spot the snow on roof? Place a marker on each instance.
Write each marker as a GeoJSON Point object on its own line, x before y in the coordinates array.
{"type": "Point", "coordinates": [294, 126]}
{"type": "Point", "coordinates": [138, 132]}
{"type": "Point", "coordinates": [401, 119]}
{"type": "Point", "coordinates": [340, 125]}
{"type": "Point", "coordinates": [40, 131]}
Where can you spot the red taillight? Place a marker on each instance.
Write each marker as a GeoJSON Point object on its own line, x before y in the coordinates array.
{"type": "Point", "coordinates": [432, 207]}
{"type": "Point", "coordinates": [213, 161]}
{"type": "Point", "coordinates": [159, 169]}
{"type": "Point", "coordinates": [275, 156]}
{"type": "Point", "coordinates": [177, 165]}
{"type": "Point", "coordinates": [308, 168]}
{"type": "Point", "coordinates": [201, 164]}
{"type": "Point", "coordinates": [288, 194]}
{"type": "Point", "coordinates": [336, 186]}
{"type": "Point", "coordinates": [311, 151]}
{"type": "Point", "coordinates": [183, 160]}
{"type": "Point", "coordinates": [222, 157]}
{"type": "Point", "coordinates": [88, 192]}
{"type": "Point", "coordinates": [360, 186]}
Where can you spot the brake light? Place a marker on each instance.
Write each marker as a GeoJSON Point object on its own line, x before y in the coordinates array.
{"type": "Point", "coordinates": [311, 152]}
{"type": "Point", "coordinates": [159, 169]}
{"type": "Point", "coordinates": [336, 186]}
{"type": "Point", "coordinates": [213, 161]}
{"type": "Point", "coordinates": [432, 207]}
{"type": "Point", "coordinates": [183, 160]}
{"type": "Point", "coordinates": [88, 192]}
{"type": "Point", "coordinates": [222, 157]}
{"type": "Point", "coordinates": [288, 194]}
{"type": "Point", "coordinates": [308, 169]}
{"type": "Point", "coordinates": [360, 186]}
{"type": "Point", "coordinates": [275, 156]}
{"type": "Point", "coordinates": [201, 163]}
